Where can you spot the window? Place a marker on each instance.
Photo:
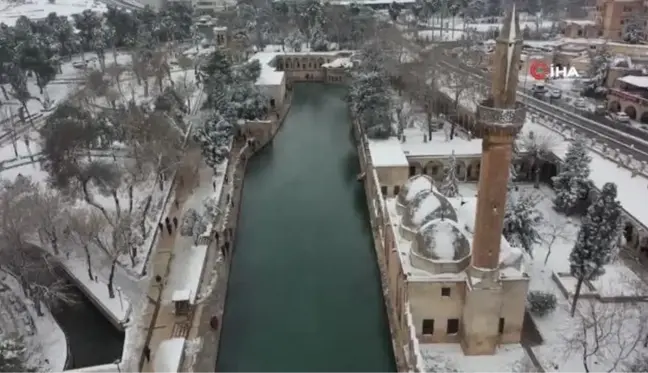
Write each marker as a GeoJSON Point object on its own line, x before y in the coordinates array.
{"type": "Point", "coordinates": [453, 326]}
{"type": "Point", "coordinates": [383, 190]}
{"type": "Point", "coordinates": [501, 326]}
{"type": "Point", "coordinates": [445, 292]}
{"type": "Point", "coordinates": [396, 190]}
{"type": "Point", "coordinates": [428, 326]}
{"type": "Point", "coordinates": [412, 170]}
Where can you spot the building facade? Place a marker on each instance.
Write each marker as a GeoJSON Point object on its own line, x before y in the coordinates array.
{"type": "Point", "coordinates": [613, 15]}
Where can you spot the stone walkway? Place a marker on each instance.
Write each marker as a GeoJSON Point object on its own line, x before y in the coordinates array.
{"type": "Point", "coordinates": [159, 318]}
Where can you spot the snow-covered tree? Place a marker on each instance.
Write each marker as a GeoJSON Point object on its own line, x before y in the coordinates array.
{"type": "Point", "coordinates": [189, 220]}
{"type": "Point", "coordinates": [540, 303]}
{"type": "Point", "coordinates": [633, 29]}
{"type": "Point", "coordinates": [449, 187]}
{"type": "Point", "coordinates": [317, 39]}
{"type": "Point", "coordinates": [211, 208]}
{"type": "Point", "coordinates": [598, 239]}
{"type": "Point", "coordinates": [294, 41]}
{"type": "Point", "coordinates": [14, 355]}
{"type": "Point", "coordinates": [572, 184]}
{"type": "Point", "coordinates": [370, 101]}
{"type": "Point", "coordinates": [522, 220]}
{"type": "Point", "coordinates": [537, 152]}
{"type": "Point", "coordinates": [600, 60]}
{"type": "Point", "coordinates": [214, 137]}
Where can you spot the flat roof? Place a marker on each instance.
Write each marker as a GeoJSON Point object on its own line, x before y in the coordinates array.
{"type": "Point", "coordinates": [637, 81]}
{"type": "Point", "coordinates": [387, 153]}
{"type": "Point", "coordinates": [269, 74]}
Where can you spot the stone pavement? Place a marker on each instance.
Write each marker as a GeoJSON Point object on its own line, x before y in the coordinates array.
{"type": "Point", "coordinates": [205, 360]}
{"type": "Point", "coordinates": [160, 319]}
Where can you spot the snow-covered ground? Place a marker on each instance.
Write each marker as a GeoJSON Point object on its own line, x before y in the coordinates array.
{"type": "Point", "coordinates": [10, 11]}
{"type": "Point", "coordinates": [457, 30]}
{"type": "Point", "coordinates": [21, 158]}
{"type": "Point", "coordinates": [563, 335]}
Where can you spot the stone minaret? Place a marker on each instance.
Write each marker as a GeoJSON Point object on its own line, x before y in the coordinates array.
{"type": "Point", "coordinates": [499, 119]}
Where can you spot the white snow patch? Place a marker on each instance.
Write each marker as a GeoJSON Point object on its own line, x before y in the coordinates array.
{"type": "Point", "coordinates": [416, 186]}
{"type": "Point", "coordinates": [444, 238]}
{"type": "Point", "coordinates": [427, 206]}
{"type": "Point", "coordinates": [448, 357]}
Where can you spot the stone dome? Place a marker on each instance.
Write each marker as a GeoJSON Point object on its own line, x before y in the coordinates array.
{"type": "Point", "coordinates": [441, 240]}
{"type": "Point", "coordinates": [426, 206]}
{"type": "Point", "coordinates": [415, 185]}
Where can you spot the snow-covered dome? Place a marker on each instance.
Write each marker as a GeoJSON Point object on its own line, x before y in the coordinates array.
{"type": "Point", "coordinates": [415, 185]}
{"type": "Point", "coordinates": [424, 207]}
{"type": "Point", "coordinates": [441, 240]}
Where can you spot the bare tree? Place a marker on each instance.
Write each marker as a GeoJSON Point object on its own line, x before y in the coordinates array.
{"type": "Point", "coordinates": [48, 208]}
{"type": "Point", "coordinates": [84, 225]}
{"type": "Point", "coordinates": [9, 125]}
{"type": "Point", "coordinates": [537, 150]}
{"type": "Point", "coordinates": [606, 334]}
{"type": "Point", "coordinates": [553, 232]}
{"type": "Point", "coordinates": [461, 86]}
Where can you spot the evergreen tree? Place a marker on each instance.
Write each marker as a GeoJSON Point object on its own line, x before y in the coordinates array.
{"type": "Point", "coordinates": [600, 59]}
{"type": "Point", "coordinates": [522, 220]}
{"type": "Point", "coordinates": [572, 184]}
{"type": "Point", "coordinates": [371, 103]}
{"type": "Point", "coordinates": [213, 138]}
{"type": "Point", "coordinates": [598, 239]}
{"type": "Point", "coordinates": [450, 185]}
{"type": "Point", "coordinates": [13, 355]}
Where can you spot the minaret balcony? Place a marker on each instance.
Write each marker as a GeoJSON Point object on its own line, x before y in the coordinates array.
{"type": "Point", "coordinates": [500, 121]}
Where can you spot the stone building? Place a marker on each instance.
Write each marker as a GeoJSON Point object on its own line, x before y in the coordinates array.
{"type": "Point", "coordinates": [450, 275]}
{"type": "Point", "coordinates": [613, 15]}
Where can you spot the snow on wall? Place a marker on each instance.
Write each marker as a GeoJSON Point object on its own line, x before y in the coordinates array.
{"type": "Point", "coordinates": [387, 153]}
{"type": "Point", "coordinates": [414, 346]}
{"type": "Point", "coordinates": [117, 308]}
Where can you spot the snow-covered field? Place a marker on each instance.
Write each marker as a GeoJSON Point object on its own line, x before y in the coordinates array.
{"type": "Point", "coordinates": [455, 29]}
{"type": "Point", "coordinates": [10, 11]}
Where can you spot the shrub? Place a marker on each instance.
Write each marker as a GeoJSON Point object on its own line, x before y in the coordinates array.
{"type": "Point", "coordinates": [188, 221]}
{"type": "Point", "coordinates": [541, 303]}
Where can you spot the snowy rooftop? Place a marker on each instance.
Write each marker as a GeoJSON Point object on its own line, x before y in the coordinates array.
{"type": "Point", "coordinates": [637, 81]}
{"type": "Point", "coordinates": [581, 22]}
{"type": "Point", "coordinates": [184, 277]}
{"type": "Point", "coordinates": [168, 355]}
{"type": "Point", "coordinates": [387, 153]}
{"type": "Point", "coordinates": [342, 62]}
{"type": "Point", "coordinates": [465, 216]}
{"type": "Point", "coordinates": [269, 73]}
{"type": "Point", "coordinates": [415, 145]}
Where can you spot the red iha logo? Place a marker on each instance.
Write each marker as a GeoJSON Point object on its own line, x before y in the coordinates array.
{"type": "Point", "coordinates": [539, 70]}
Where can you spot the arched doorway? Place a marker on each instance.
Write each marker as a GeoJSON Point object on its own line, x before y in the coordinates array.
{"type": "Point", "coordinates": [548, 171]}
{"type": "Point", "coordinates": [307, 76]}
{"type": "Point", "coordinates": [614, 106]}
{"type": "Point", "coordinates": [631, 111]}
{"type": "Point", "coordinates": [644, 117]}
{"type": "Point", "coordinates": [628, 232]}
{"type": "Point", "coordinates": [272, 103]}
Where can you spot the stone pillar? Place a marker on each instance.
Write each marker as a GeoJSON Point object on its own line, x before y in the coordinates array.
{"type": "Point", "coordinates": [480, 319]}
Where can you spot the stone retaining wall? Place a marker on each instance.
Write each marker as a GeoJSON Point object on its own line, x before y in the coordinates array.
{"type": "Point", "coordinates": [265, 136]}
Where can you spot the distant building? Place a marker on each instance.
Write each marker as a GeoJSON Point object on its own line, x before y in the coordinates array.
{"type": "Point", "coordinates": [612, 16]}
{"type": "Point", "coordinates": [630, 95]}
